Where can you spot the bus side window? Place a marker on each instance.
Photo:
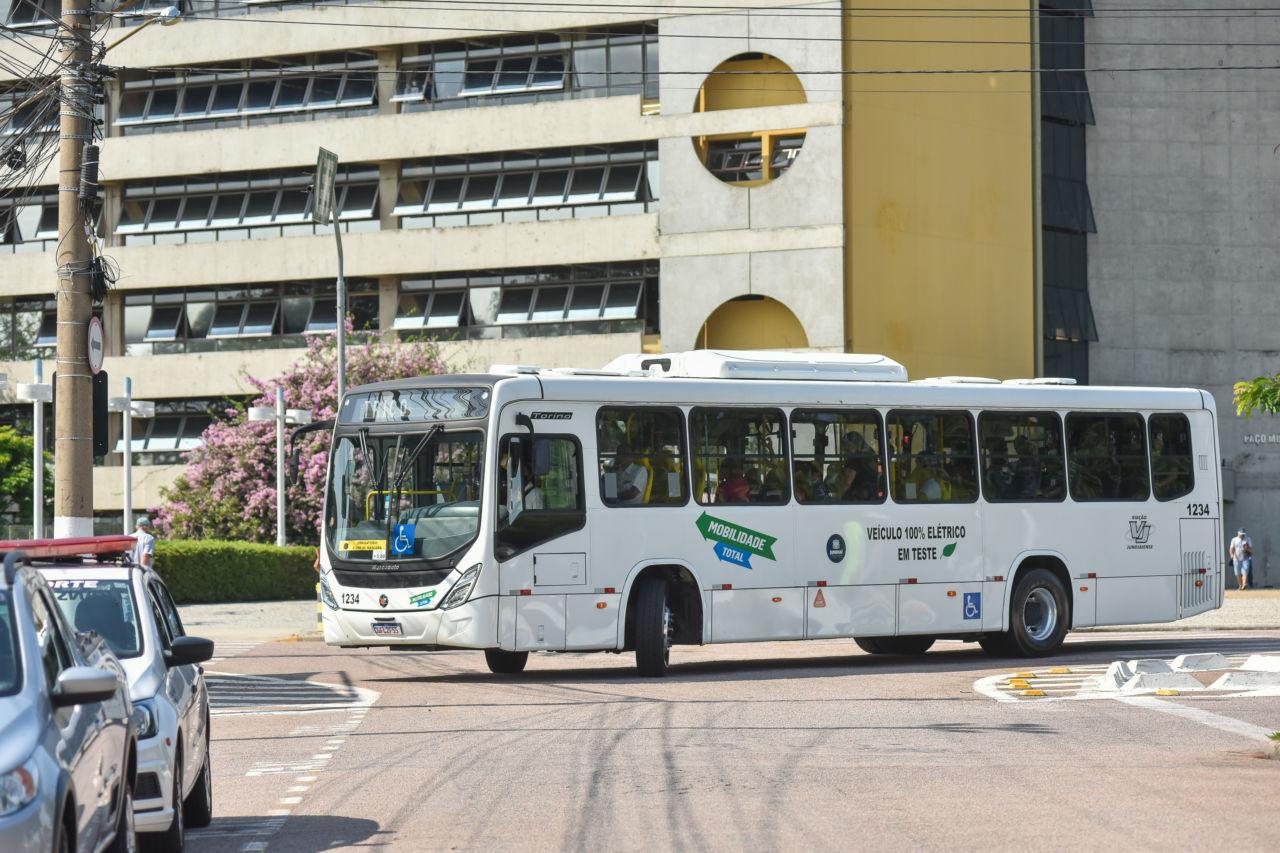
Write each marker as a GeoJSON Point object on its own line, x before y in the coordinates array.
{"type": "Point", "coordinates": [1172, 474]}
{"type": "Point", "coordinates": [539, 491]}
{"type": "Point", "coordinates": [838, 456]}
{"type": "Point", "coordinates": [1021, 456]}
{"type": "Point", "coordinates": [931, 457]}
{"type": "Point", "coordinates": [739, 456]}
{"type": "Point", "coordinates": [641, 452]}
{"type": "Point", "coordinates": [1107, 457]}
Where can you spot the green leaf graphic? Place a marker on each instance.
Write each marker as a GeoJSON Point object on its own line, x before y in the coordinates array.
{"type": "Point", "coordinates": [948, 550]}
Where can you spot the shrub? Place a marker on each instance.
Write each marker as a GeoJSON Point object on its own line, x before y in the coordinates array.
{"type": "Point", "coordinates": [207, 571]}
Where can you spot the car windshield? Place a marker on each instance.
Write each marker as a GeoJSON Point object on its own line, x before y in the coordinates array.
{"type": "Point", "coordinates": [10, 668]}
{"type": "Point", "coordinates": [404, 496]}
{"type": "Point", "coordinates": [103, 606]}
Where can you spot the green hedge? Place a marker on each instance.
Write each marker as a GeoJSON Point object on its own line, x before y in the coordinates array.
{"type": "Point", "coordinates": [206, 572]}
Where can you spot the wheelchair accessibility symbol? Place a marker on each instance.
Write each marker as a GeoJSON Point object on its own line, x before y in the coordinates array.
{"type": "Point", "coordinates": [973, 605]}
{"type": "Point", "coordinates": [402, 540]}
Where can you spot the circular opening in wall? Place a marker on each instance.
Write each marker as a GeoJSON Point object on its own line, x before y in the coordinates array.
{"type": "Point", "coordinates": [746, 81]}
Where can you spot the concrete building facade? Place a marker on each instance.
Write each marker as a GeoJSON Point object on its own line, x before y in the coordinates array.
{"type": "Point", "coordinates": [1183, 269]}
{"type": "Point", "coordinates": [548, 185]}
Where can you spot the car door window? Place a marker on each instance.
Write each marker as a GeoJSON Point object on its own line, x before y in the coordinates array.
{"type": "Point", "coordinates": [55, 654]}
{"type": "Point", "coordinates": [162, 624]}
{"type": "Point", "coordinates": [168, 610]}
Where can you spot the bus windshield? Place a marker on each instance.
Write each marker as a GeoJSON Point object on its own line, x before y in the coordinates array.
{"type": "Point", "coordinates": [404, 496]}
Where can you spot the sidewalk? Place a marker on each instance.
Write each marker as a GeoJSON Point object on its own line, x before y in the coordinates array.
{"type": "Point", "coordinates": [1253, 608]}
{"type": "Point", "coordinates": [275, 620]}
{"type": "Point", "coordinates": [256, 621]}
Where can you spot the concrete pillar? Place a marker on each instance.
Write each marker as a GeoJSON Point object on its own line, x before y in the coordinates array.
{"type": "Point", "coordinates": [388, 63]}
{"type": "Point", "coordinates": [388, 301]}
{"type": "Point", "coordinates": [388, 188]}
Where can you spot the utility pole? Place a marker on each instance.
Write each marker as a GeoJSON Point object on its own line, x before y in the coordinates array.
{"type": "Point", "coordinates": [72, 417]}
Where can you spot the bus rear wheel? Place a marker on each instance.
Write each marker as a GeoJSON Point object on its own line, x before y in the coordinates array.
{"type": "Point", "coordinates": [895, 645]}
{"type": "Point", "coordinates": [654, 628]}
{"type": "Point", "coordinates": [1039, 616]}
{"type": "Point", "coordinates": [502, 662]}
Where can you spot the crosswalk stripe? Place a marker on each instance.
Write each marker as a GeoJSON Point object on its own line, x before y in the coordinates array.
{"type": "Point", "coordinates": [232, 694]}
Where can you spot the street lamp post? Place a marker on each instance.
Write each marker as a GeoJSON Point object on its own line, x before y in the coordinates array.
{"type": "Point", "coordinates": [130, 409]}
{"type": "Point", "coordinates": [281, 416]}
{"type": "Point", "coordinates": [37, 394]}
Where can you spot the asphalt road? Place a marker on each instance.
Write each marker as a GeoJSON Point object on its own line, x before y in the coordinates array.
{"type": "Point", "coordinates": [793, 746]}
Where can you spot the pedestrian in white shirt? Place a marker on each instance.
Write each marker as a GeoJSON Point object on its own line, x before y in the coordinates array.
{"type": "Point", "coordinates": [144, 546]}
{"type": "Point", "coordinates": [1240, 553]}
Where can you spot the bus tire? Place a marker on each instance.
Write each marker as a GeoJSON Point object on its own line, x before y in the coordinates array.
{"type": "Point", "coordinates": [654, 630]}
{"type": "Point", "coordinates": [502, 662]}
{"type": "Point", "coordinates": [895, 645]}
{"type": "Point", "coordinates": [1039, 615]}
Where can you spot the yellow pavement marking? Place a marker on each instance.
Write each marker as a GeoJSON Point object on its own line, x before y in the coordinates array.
{"type": "Point", "coordinates": [1060, 670]}
{"type": "Point", "coordinates": [1167, 691]}
{"type": "Point", "coordinates": [1024, 675]}
{"type": "Point", "coordinates": [1032, 692]}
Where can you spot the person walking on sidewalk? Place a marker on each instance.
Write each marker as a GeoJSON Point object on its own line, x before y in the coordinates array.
{"type": "Point", "coordinates": [1240, 553]}
{"type": "Point", "coordinates": [144, 548]}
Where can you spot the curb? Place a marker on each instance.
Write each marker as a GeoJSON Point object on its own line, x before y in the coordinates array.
{"type": "Point", "coordinates": [1273, 750]}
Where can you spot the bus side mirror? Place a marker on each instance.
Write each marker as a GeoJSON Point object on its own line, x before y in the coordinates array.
{"type": "Point", "coordinates": [297, 433]}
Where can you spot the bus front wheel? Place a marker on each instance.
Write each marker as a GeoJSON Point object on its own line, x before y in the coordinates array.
{"type": "Point", "coordinates": [654, 628]}
{"type": "Point", "coordinates": [503, 662]}
{"type": "Point", "coordinates": [895, 645]}
{"type": "Point", "coordinates": [1039, 617]}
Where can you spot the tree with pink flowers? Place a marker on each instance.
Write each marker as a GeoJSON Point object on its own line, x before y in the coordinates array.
{"type": "Point", "coordinates": [228, 490]}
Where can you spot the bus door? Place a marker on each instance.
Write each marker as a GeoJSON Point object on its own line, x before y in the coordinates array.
{"type": "Point", "coordinates": [744, 523]}
{"type": "Point", "coordinates": [540, 538]}
{"type": "Point", "coordinates": [841, 500]}
{"type": "Point", "coordinates": [933, 540]}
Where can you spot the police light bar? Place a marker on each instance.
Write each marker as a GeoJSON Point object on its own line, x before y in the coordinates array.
{"type": "Point", "coordinates": [83, 546]}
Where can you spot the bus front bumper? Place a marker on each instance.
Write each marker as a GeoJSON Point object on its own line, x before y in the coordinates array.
{"type": "Point", "coordinates": [473, 625]}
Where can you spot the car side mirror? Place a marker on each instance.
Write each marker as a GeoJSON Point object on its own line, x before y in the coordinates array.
{"type": "Point", "coordinates": [80, 685]}
{"type": "Point", "coordinates": [189, 650]}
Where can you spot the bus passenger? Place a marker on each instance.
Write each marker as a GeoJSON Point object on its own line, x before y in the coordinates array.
{"type": "Point", "coordinates": [664, 465]}
{"type": "Point", "coordinates": [1025, 482]}
{"type": "Point", "coordinates": [732, 486]}
{"type": "Point", "coordinates": [632, 477]}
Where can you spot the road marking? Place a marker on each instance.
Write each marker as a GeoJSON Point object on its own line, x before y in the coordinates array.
{"type": "Point", "coordinates": [231, 694]}
{"type": "Point", "coordinates": [1199, 715]}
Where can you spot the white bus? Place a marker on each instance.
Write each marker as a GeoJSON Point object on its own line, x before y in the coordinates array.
{"type": "Point", "coordinates": [716, 497]}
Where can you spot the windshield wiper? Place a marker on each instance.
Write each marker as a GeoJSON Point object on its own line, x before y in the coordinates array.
{"type": "Point", "coordinates": [403, 467]}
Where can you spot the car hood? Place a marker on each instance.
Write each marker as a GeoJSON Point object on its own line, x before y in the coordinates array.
{"type": "Point", "coordinates": [18, 731]}
{"type": "Point", "coordinates": [145, 677]}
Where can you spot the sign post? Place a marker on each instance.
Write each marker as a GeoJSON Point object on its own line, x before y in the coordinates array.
{"type": "Point", "coordinates": [321, 211]}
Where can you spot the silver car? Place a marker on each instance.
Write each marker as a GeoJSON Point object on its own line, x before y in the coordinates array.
{"type": "Point", "coordinates": [131, 608]}
{"type": "Point", "coordinates": [67, 754]}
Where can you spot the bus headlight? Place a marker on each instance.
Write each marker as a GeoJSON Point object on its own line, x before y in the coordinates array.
{"type": "Point", "coordinates": [462, 589]}
{"type": "Point", "coordinates": [326, 595]}
{"type": "Point", "coordinates": [18, 787]}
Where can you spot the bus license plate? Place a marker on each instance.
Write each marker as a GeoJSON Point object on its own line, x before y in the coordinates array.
{"type": "Point", "coordinates": [387, 629]}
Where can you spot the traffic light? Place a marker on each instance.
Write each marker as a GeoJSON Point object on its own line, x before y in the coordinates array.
{"type": "Point", "coordinates": [99, 413]}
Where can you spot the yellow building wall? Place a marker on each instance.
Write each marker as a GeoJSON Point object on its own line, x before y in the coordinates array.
{"type": "Point", "coordinates": [754, 323]}
{"type": "Point", "coordinates": [940, 216]}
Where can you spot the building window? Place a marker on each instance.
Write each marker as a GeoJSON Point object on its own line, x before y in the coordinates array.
{"type": "Point", "coordinates": [34, 13]}
{"type": "Point", "coordinates": [261, 91]}
{"type": "Point", "coordinates": [548, 300]}
{"type": "Point", "coordinates": [21, 323]}
{"type": "Point", "coordinates": [239, 206]}
{"type": "Point", "coordinates": [178, 427]}
{"type": "Point", "coordinates": [586, 63]}
{"type": "Point", "coordinates": [29, 222]}
{"type": "Point", "coordinates": [462, 191]}
{"type": "Point", "coordinates": [255, 317]}
{"type": "Point", "coordinates": [1066, 209]}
